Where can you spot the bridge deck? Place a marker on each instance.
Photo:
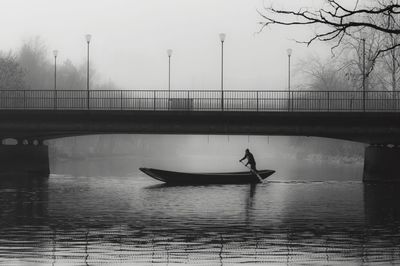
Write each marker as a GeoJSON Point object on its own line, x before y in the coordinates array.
{"type": "Point", "coordinates": [366, 127]}
{"type": "Point", "coordinates": [371, 117]}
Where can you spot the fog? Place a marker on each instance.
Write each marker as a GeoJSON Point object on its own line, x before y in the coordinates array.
{"type": "Point", "coordinates": [122, 155]}
{"type": "Point", "coordinates": [128, 49]}
{"type": "Point", "coordinates": [130, 39]}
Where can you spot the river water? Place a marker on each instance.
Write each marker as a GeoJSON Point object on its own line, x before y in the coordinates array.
{"type": "Point", "coordinates": [307, 213]}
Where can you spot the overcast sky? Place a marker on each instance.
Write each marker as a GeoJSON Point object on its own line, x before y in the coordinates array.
{"type": "Point", "coordinates": [130, 39]}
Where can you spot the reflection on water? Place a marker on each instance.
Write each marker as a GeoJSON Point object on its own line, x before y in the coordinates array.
{"type": "Point", "coordinates": [94, 220]}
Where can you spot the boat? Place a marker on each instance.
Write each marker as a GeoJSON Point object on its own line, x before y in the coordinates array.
{"type": "Point", "coordinates": [170, 177]}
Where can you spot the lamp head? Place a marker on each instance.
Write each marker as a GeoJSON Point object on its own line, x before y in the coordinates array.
{"type": "Point", "coordinates": [88, 37]}
{"type": "Point", "coordinates": [169, 52]}
{"type": "Point", "coordinates": [222, 37]}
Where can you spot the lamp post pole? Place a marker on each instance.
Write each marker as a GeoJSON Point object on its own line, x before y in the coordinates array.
{"type": "Point", "coordinates": [222, 38]}
{"type": "Point", "coordinates": [289, 53]}
{"type": "Point", "coordinates": [169, 53]}
{"type": "Point", "coordinates": [364, 76]}
{"type": "Point", "coordinates": [55, 53]}
{"type": "Point", "coordinates": [88, 38]}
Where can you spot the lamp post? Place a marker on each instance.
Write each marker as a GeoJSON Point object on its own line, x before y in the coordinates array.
{"type": "Point", "coordinates": [88, 38]}
{"type": "Point", "coordinates": [222, 38]}
{"type": "Point", "coordinates": [363, 69]}
{"type": "Point", "coordinates": [55, 53]}
{"type": "Point", "coordinates": [169, 53]}
{"type": "Point", "coordinates": [289, 53]}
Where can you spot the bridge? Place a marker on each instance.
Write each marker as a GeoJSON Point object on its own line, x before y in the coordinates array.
{"type": "Point", "coordinates": [372, 117]}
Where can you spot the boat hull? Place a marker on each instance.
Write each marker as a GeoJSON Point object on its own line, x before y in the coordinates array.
{"type": "Point", "coordinates": [206, 178]}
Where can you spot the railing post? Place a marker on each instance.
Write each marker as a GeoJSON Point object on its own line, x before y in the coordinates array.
{"type": "Point", "coordinates": [55, 100]}
{"type": "Point", "coordinates": [222, 100]}
{"type": "Point", "coordinates": [257, 100]}
{"type": "Point", "coordinates": [121, 100]}
{"type": "Point", "coordinates": [154, 99]}
{"type": "Point", "coordinates": [329, 102]}
{"type": "Point", "coordinates": [291, 101]}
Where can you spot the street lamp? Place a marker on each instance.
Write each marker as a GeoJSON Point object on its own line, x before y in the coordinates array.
{"type": "Point", "coordinates": [88, 38]}
{"type": "Point", "coordinates": [289, 53]}
{"type": "Point", "coordinates": [222, 38]}
{"type": "Point", "coordinates": [363, 37]}
{"type": "Point", "coordinates": [55, 53]}
{"type": "Point", "coordinates": [169, 53]}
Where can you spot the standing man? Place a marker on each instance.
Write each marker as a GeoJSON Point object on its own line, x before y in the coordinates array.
{"type": "Point", "coordinates": [250, 160]}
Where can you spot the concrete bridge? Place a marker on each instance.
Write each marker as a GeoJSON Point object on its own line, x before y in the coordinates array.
{"type": "Point", "coordinates": [31, 117]}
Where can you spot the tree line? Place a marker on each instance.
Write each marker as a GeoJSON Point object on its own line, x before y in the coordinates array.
{"type": "Point", "coordinates": [30, 68]}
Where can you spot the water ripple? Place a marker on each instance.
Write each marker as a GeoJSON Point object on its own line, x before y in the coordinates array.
{"type": "Point", "coordinates": [131, 221]}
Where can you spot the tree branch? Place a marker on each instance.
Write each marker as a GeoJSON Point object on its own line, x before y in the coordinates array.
{"type": "Point", "coordinates": [337, 19]}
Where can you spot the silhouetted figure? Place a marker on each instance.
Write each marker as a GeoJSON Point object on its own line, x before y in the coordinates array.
{"type": "Point", "coordinates": [250, 160]}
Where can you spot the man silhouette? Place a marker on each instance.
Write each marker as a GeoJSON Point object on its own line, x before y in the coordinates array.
{"type": "Point", "coordinates": [250, 160]}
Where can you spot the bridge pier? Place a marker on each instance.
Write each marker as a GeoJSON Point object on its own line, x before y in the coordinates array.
{"type": "Point", "coordinates": [381, 164]}
{"type": "Point", "coordinates": [24, 158]}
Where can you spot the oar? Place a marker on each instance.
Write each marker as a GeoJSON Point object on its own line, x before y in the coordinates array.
{"type": "Point", "coordinates": [254, 172]}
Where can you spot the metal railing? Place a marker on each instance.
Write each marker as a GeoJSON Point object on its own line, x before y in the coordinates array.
{"type": "Point", "coordinates": [204, 100]}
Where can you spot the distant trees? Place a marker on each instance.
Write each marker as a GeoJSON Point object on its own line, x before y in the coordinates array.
{"type": "Point", "coordinates": [33, 58]}
{"type": "Point", "coordinates": [323, 75]}
{"type": "Point", "coordinates": [11, 72]}
{"type": "Point", "coordinates": [70, 78]}
{"type": "Point", "coordinates": [31, 68]}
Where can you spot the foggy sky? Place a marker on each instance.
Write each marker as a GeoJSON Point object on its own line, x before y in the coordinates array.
{"type": "Point", "coordinates": [130, 39]}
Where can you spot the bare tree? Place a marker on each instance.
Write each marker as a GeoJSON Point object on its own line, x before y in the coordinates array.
{"type": "Point", "coordinates": [334, 21]}
{"type": "Point", "coordinates": [389, 63]}
{"type": "Point", "coordinates": [356, 50]}
{"type": "Point", "coordinates": [323, 75]}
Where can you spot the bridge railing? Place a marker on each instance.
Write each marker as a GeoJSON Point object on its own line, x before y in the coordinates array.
{"type": "Point", "coordinates": [202, 100]}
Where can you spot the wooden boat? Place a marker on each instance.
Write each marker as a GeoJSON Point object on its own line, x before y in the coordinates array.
{"type": "Point", "coordinates": [206, 178]}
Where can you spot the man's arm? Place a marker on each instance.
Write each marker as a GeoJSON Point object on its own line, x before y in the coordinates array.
{"type": "Point", "coordinates": [243, 158]}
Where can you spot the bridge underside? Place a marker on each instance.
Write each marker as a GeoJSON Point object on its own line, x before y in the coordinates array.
{"type": "Point", "coordinates": [372, 128]}
{"type": "Point", "coordinates": [377, 129]}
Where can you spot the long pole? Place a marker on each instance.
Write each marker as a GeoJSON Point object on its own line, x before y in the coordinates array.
{"type": "Point", "coordinates": [169, 53]}
{"type": "Point", "coordinates": [363, 41]}
{"type": "Point", "coordinates": [55, 81]}
{"type": "Point", "coordinates": [222, 74]}
{"type": "Point", "coordinates": [289, 105]}
{"type": "Point", "coordinates": [169, 80]}
{"type": "Point", "coordinates": [87, 75]}
{"type": "Point", "coordinates": [394, 70]}
{"type": "Point", "coordinates": [169, 75]}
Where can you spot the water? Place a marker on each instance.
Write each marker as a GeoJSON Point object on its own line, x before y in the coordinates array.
{"type": "Point", "coordinates": [134, 220]}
